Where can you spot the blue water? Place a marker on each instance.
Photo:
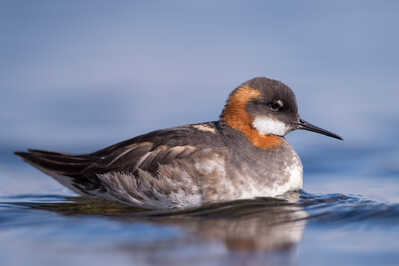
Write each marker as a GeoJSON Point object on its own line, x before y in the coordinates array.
{"type": "Point", "coordinates": [77, 76]}
{"type": "Point", "coordinates": [347, 215]}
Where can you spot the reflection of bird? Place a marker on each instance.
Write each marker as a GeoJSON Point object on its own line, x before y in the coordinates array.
{"type": "Point", "coordinates": [263, 231]}
{"type": "Point", "coordinates": [242, 155]}
{"type": "Point", "coordinates": [260, 224]}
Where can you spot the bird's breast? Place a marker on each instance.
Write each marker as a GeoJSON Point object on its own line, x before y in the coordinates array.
{"type": "Point", "coordinates": [266, 173]}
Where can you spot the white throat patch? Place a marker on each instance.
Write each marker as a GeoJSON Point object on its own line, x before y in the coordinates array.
{"type": "Point", "coordinates": [266, 126]}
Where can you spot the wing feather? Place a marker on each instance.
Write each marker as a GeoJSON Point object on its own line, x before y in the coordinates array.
{"type": "Point", "coordinates": [158, 170]}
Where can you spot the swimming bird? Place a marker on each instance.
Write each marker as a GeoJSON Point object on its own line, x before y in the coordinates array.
{"type": "Point", "coordinates": [242, 155]}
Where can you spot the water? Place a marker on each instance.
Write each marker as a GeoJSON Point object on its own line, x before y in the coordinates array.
{"type": "Point", "coordinates": [347, 215]}
{"type": "Point", "coordinates": [75, 76]}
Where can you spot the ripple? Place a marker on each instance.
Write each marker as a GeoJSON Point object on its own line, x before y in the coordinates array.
{"type": "Point", "coordinates": [262, 227]}
{"type": "Point", "coordinates": [322, 209]}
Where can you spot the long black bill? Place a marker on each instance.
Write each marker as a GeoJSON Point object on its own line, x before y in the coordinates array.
{"type": "Point", "coordinates": [308, 126]}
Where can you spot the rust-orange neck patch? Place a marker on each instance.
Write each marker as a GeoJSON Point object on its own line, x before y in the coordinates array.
{"type": "Point", "coordinates": [236, 116]}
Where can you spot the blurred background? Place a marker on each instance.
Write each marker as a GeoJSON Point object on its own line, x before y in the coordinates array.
{"type": "Point", "coordinates": [76, 76]}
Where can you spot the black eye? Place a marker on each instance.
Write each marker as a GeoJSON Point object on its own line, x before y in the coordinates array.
{"type": "Point", "coordinates": [276, 105]}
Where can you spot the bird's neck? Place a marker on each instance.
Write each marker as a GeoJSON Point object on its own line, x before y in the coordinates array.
{"type": "Point", "coordinates": [236, 116]}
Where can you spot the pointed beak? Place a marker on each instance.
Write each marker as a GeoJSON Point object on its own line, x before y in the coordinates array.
{"type": "Point", "coordinates": [302, 124]}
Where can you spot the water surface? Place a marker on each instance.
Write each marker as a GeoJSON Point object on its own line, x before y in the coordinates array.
{"type": "Point", "coordinates": [75, 77]}
{"type": "Point", "coordinates": [42, 223]}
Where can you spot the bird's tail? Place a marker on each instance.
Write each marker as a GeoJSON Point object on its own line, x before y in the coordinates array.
{"type": "Point", "coordinates": [66, 169]}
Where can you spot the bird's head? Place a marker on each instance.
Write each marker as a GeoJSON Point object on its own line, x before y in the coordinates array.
{"type": "Point", "coordinates": [262, 108]}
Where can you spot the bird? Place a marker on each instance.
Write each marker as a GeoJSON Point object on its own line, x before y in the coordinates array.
{"type": "Point", "coordinates": [242, 155]}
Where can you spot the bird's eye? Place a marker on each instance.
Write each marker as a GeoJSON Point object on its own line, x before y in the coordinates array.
{"type": "Point", "coordinates": [276, 105]}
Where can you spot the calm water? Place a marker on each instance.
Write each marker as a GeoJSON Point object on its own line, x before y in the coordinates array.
{"type": "Point", "coordinates": [349, 215]}
{"type": "Point", "coordinates": [74, 75]}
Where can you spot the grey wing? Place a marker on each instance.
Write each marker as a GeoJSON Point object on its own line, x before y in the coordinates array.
{"type": "Point", "coordinates": [156, 170]}
{"type": "Point", "coordinates": [161, 176]}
